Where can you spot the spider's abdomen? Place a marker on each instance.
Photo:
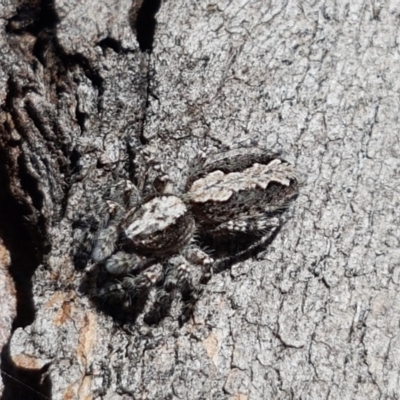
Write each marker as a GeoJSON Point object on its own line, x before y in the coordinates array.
{"type": "Point", "coordinates": [259, 189]}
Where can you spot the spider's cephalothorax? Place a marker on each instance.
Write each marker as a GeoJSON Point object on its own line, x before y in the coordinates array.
{"type": "Point", "coordinates": [239, 192]}
{"type": "Point", "coordinates": [161, 225]}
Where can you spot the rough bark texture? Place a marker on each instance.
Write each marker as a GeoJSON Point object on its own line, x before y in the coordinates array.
{"type": "Point", "coordinates": [316, 315]}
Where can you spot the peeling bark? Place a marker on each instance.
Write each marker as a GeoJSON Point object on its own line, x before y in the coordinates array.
{"type": "Point", "coordinates": [84, 86]}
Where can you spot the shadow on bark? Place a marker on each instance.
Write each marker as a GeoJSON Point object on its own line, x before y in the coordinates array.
{"type": "Point", "coordinates": [145, 24]}
{"type": "Point", "coordinates": [26, 247]}
{"type": "Point", "coordinates": [22, 383]}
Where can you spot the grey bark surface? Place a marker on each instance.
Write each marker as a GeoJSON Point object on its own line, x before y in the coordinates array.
{"type": "Point", "coordinates": [316, 314]}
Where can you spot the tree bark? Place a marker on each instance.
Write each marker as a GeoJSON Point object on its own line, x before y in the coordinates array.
{"type": "Point", "coordinates": [84, 86]}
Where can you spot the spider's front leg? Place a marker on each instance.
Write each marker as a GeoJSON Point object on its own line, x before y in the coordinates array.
{"type": "Point", "coordinates": [120, 197]}
{"type": "Point", "coordinates": [160, 182]}
{"type": "Point", "coordinates": [124, 193]}
{"type": "Point", "coordinates": [108, 236]}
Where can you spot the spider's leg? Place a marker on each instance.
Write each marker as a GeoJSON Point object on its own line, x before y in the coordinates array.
{"type": "Point", "coordinates": [197, 256]}
{"type": "Point", "coordinates": [143, 281]}
{"type": "Point", "coordinates": [248, 225]}
{"type": "Point", "coordinates": [196, 168]}
{"type": "Point", "coordinates": [105, 243]}
{"type": "Point", "coordinates": [124, 193]}
{"type": "Point", "coordinates": [128, 293]}
{"type": "Point", "coordinates": [190, 296]}
{"type": "Point", "coordinates": [177, 271]}
{"type": "Point", "coordinates": [160, 307]}
{"type": "Point", "coordinates": [180, 278]}
{"type": "Point", "coordinates": [111, 292]}
{"type": "Point", "coordinates": [95, 223]}
{"type": "Point", "coordinates": [161, 182]}
{"type": "Point", "coordinates": [108, 236]}
{"type": "Point", "coordinates": [83, 238]}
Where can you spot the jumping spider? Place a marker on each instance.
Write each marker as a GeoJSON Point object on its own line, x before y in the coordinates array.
{"type": "Point", "coordinates": [150, 244]}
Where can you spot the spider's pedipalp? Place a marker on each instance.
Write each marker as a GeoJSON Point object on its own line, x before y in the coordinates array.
{"type": "Point", "coordinates": [105, 243]}
{"type": "Point", "coordinates": [176, 272]}
{"type": "Point", "coordinates": [124, 263]}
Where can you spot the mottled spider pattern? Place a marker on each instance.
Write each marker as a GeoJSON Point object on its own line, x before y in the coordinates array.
{"type": "Point", "coordinates": [149, 248]}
